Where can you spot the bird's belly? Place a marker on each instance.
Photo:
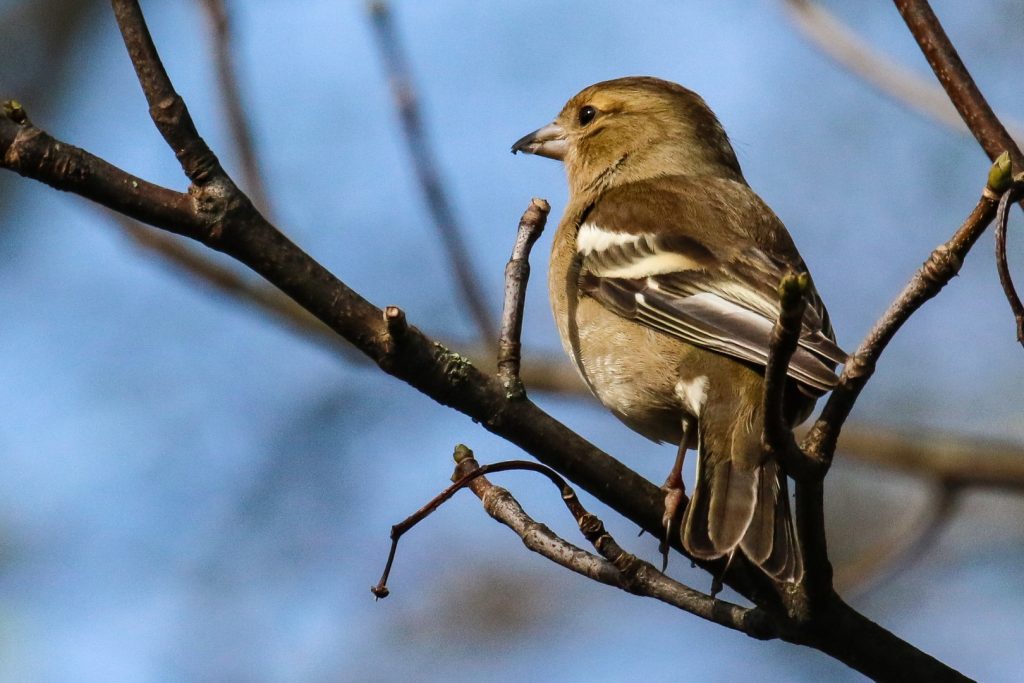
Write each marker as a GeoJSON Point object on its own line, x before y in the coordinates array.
{"type": "Point", "coordinates": [633, 371]}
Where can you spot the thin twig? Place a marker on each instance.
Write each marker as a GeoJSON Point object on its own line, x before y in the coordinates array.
{"type": "Point", "coordinates": [231, 99]}
{"type": "Point", "coordinates": [426, 168]}
{"type": "Point", "coordinates": [938, 270]}
{"type": "Point", "coordinates": [461, 481]}
{"type": "Point", "coordinates": [463, 477]}
{"type": "Point", "coordinates": [166, 107]}
{"type": "Point", "coordinates": [777, 439]}
{"type": "Point", "coordinates": [815, 586]}
{"type": "Point", "coordinates": [615, 567]}
{"type": "Point", "coordinates": [517, 275]}
{"type": "Point", "coordinates": [957, 82]}
{"type": "Point", "coordinates": [1005, 279]}
{"type": "Point", "coordinates": [835, 39]}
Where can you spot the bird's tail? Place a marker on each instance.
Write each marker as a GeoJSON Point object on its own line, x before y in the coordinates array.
{"type": "Point", "coordinates": [746, 507]}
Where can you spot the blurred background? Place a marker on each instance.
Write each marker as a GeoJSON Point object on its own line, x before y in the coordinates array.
{"type": "Point", "coordinates": [192, 492]}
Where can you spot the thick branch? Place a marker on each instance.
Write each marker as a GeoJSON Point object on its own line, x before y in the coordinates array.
{"type": "Point", "coordinates": [30, 152]}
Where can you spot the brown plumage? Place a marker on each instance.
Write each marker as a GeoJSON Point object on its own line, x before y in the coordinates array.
{"type": "Point", "coordinates": [663, 283]}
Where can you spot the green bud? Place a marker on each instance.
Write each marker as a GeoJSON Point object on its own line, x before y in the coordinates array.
{"type": "Point", "coordinates": [462, 452]}
{"type": "Point", "coordinates": [14, 111]}
{"type": "Point", "coordinates": [792, 287]}
{"type": "Point", "coordinates": [1000, 176]}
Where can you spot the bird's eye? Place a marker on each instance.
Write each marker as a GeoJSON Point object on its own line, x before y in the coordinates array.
{"type": "Point", "coordinates": [587, 115]}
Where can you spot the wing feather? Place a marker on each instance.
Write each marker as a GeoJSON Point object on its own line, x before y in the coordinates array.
{"type": "Point", "coordinates": [712, 320]}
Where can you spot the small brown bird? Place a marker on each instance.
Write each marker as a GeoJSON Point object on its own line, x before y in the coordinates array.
{"type": "Point", "coordinates": [664, 284]}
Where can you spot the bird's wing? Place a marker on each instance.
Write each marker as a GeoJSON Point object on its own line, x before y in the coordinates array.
{"type": "Point", "coordinates": [721, 296]}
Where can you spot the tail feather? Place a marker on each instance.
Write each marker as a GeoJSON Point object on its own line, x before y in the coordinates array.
{"type": "Point", "coordinates": [695, 519]}
{"type": "Point", "coordinates": [775, 534]}
{"type": "Point", "coordinates": [758, 541]}
{"type": "Point", "coordinates": [731, 505]}
{"type": "Point", "coordinates": [747, 508]}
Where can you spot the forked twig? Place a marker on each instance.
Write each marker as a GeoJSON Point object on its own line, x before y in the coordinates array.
{"type": "Point", "coordinates": [943, 263]}
{"type": "Point", "coordinates": [614, 567]}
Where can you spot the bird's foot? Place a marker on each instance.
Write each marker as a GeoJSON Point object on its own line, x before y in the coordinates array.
{"type": "Point", "coordinates": [675, 494]}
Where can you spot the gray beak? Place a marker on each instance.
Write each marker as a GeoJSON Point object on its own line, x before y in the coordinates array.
{"type": "Point", "coordinates": [548, 141]}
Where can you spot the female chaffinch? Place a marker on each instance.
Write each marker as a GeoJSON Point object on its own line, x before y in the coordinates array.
{"type": "Point", "coordinates": [663, 282]}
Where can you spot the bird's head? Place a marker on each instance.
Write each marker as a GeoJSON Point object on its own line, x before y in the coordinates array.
{"type": "Point", "coordinates": [633, 128]}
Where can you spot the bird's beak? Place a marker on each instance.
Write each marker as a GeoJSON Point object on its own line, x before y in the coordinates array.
{"type": "Point", "coordinates": [548, 141]}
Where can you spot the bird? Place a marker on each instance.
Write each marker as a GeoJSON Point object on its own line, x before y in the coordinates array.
{"type": "Point", "coordinates": [663, 281]}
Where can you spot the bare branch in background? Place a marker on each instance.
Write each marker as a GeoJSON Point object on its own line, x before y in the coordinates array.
{"type": "Point", "coordinates": [231, 100]}
{"type": "Point", "coordinates": [838, 41]}
{"type": "Point", "coordinates": [36, 38]}
{"type": "Point", "coordinates": [955, 460]}
{"type": "Point", "coordinates": [899, 551]}
{"type": "Point", "coordinates": [427, 173]}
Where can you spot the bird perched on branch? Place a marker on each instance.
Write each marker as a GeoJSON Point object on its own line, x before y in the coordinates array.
{"type": "Point", "coordinates": [664, 283]}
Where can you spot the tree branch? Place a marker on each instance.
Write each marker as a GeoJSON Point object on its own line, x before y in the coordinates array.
{"type": "Point", "coordinates": [517, 275]}
{"type": "Point", "coordinates": [231, 98]}
{"type": "Point", "coordinates": [30, 152]}
{"type": "Point", "coordinates": [958, 461]}
{"type": "Point", "coordinates": [615, 567]}
{"type": "Point", "coordinates": [166, 107]}
{"type": "Point", "coordinates": [777, 439]}
{"type": "Point", "coordinates": [938, 270]}
{"type": "Point", "coordinates": [957, 82]}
